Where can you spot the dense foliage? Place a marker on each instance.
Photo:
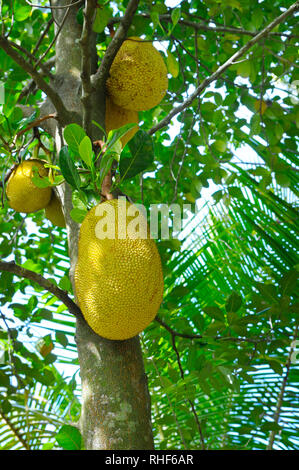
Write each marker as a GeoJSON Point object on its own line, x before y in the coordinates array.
{"type": "Point", "coordinates": [221, 358]}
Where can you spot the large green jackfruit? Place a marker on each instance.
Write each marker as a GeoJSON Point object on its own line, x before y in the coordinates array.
{"type": "Point", "coordinates": [118, 280]}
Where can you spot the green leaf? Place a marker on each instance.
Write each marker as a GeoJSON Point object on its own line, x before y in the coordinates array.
{"type": "Point", "coordinates": [175, 15]}
{"type": "Point", "coordinates": [68, 168]}
{"type": "Point", "coordinates": [105, 165]}
{"type": "Point", "coordinates": [214, 312]}
{"type": "Point", "coordinates": [255, 125]}
{"type": "Point", "coordinates": [61, 338]}
{"type": "Point", "coordinates": [85, 151]}
{"type": "Point", "coordinates": [65, 283]}
{"type": "Point", "coordinates": [5, 405]}
{"type": "Point", "coordinates": [116, 134]}
{"type": "Point", "coordinates": [73, 134]}
{"type": "Point", "coordinates": [179, 291]}
{"type": "Point", "coordinates": [78, 215]}
{"type": "Point", "coordinates": [219, 145]}
{"type": "Point", "coordinates": [276, 366]}
{"type": "Point", "coordinates": [268, 291]}
{"type": "Point", "coordinates": [155, 17]}
{"type": "Point", "coordinates": [80, 16]}
{"type": "Point", "coordinates": [103, 15]}
{"type": "Point", "coordinates": [4, 379]}
{"type": "Point", "coordinates": [79, 200]}
{"type": "Point", "coordinates": [233, 302]}
{"type": "Point", "coordinates": [282, 179]}
{"type": "Point", "coordinates": [32, 266]}
{"type": "Point", "coordinates": [234, 191]}
{"type": "Point", "coordinates": [289, 281]}
{"type": "Point", "coordinates": [270, 426]}
{"type": "Point", "coordinates": [69, 437]}
{"type": "Point", "coordinates": [40, 181]}
{"type": "Point", "coordinates": [100, 127]}
{"type": "Point", "coordinates": [244, 68]}
{"type": "Point", "coordinates": [142, 155]}
{"type": "Point", "coordinates": [22, 12]}
{"type": "Point", "coordinates": [172, 65]}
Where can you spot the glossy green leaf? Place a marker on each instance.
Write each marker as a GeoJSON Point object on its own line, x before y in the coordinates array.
{"type": "Point", "coordinates": [85, 150]}
{"type": "Point", "coordinates": [68, 168]}
{"type": "Point", "coordinates": [141, 156]}
{"type": "Point", "coordinates": [74, 134]}
{"type": "Point", "coordinates": [69, 437]}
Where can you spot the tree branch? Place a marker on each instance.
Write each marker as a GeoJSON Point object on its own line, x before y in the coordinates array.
{"type": "Point", "coordinates": [42, 36]}
{"type": "Point", "coordinates": [53, 40]}
{"type": "Point", "coordinates": [99, 79]}
{"type": "Point", "coordinates": [45, 71]}
{"type": "Point", "coordinates": [218, 28]}
{"type": "Point", "coordinates": [207, 81]}
{"type": "Point", "coordinates": [62, 295]}
{"type": "Point", "coordinates": [215, 338]}
{"type": "Point", "coordinates": [31, 57]}
{"type": "Point", "coordinates": [64, 115]}
{"type": "Point", "coordinates": [88, 12]}
{"type": "Point", "coordinates": [35, 123]}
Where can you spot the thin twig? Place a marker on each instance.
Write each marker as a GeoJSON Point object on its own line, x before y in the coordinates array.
{"type": "Point", "coordinates": [30, 87]}
{"type": "Point", "coordinates": [64, 116]}
{"type": "Point", "coordinates": [234, 339]}
{"type": "Point", "coordinates": [42, 36]}
{"type": "Point", "coordinates": [218, 28]}
{"type": "Point", "coordinates": [53, 40]}
{"type": "Point", "coordinates": [44, 283]}
{"type": "Point", "coordinates": [35, 123]}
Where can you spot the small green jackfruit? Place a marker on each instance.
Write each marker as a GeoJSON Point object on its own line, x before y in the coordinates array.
{"type": "Point", "coordinates": [23, 195]}
{"type": "Point", "coordinates": [54, 213]}
{"type": "Point", "coordinates": [116, 117]}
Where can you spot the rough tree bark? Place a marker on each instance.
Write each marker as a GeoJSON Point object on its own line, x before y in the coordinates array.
{"type": "Point", "coordinates": [115, 398]}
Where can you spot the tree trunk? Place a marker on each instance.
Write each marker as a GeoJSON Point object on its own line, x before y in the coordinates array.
{"type": "Point", "coordinates": [115, 399]}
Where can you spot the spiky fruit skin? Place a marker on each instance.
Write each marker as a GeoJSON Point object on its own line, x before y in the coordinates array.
{"type": "Point", "coordinates": [54, 213]}
{"type": "Point", "coordinates": [118, 281]}
{"type": "Point", "coordinates": [138, 76]}
{"type": "Point", "coordinates": [116, 117]}
{"type": "Point", "coordinates": [22, 194]}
